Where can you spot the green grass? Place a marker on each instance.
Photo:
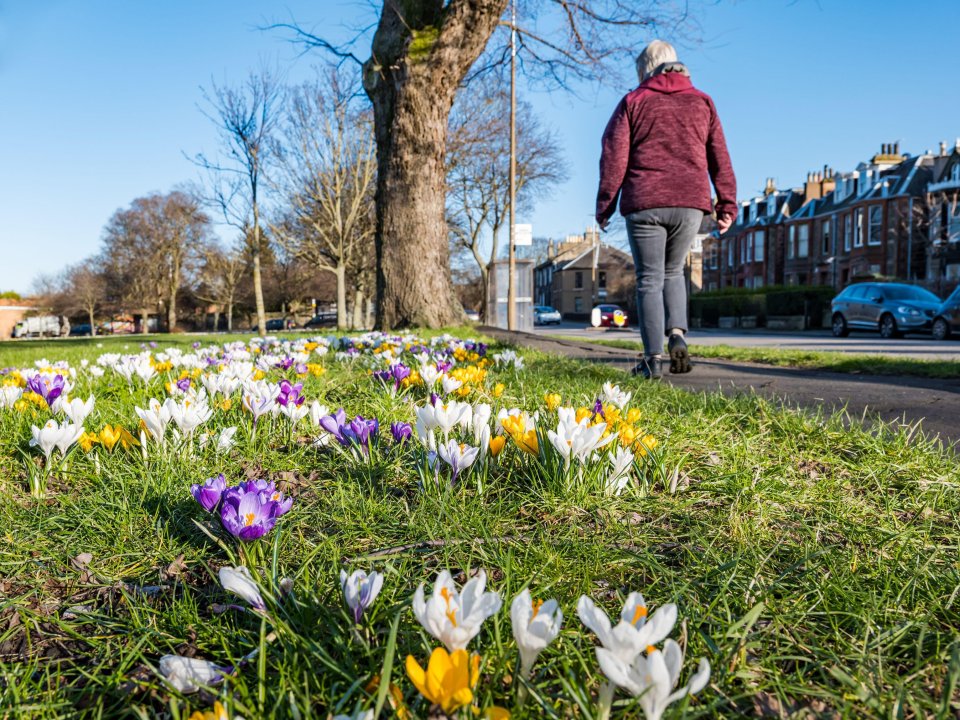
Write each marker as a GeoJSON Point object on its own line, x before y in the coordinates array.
{"type": "Point", "coordinates": [841, 362]}
{"type": "Point", "coordinates": [814, 565]}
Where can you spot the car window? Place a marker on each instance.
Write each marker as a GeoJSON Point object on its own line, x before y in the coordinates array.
{"type": "Point", "coordinates": [854, 292]}
{"type": "Point", "coordinates": [906, 292]}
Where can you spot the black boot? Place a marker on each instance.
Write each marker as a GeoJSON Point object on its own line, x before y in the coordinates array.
{"type": "Point", "coordinates": [679, 355]}
{"type": "Point", "coordinates": [649, 368]}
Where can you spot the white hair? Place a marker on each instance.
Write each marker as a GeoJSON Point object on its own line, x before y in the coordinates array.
{"type": "Point", "coordinates": [653, 56]}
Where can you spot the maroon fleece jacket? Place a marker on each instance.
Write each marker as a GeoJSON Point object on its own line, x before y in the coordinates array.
{"type": "Point", "coordinates": [661, 148]}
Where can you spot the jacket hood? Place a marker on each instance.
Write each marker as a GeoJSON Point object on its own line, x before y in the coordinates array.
{"type": "Point", "coordinates": [668, 82]}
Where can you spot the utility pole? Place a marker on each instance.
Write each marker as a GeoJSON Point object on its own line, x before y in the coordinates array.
{"type": "Point", "coordinates": [511, 282]}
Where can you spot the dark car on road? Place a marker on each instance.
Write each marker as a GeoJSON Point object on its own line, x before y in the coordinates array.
{"type": "Point", "coordinates": [80, 330]}
{"type": "Point", "coordinates": [890, 308]}
{"type": "Point", "coordinates": [323, 319]}
{"type": "Point", "coordinates": [276, 325]}
{"type": "Point", "coordinates": [946, 320]}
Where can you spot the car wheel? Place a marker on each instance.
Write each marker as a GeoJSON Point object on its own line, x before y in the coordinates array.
{"type": "Point", "coordinates": [941, 329]}
{"type": "Point", "coordinates": [839, 326]}
{"type": "Point", "coordinates": [888, 327]}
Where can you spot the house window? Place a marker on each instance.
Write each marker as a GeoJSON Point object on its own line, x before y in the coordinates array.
{"type": "Point", "coordinates": [758, 240]}
{"type": "Point", "coordinates": [875, 225]}
{"type": "Point", "coordinates": [749, 248]}
{"type": "Point", "coordinates": [602, 278]}
{"type": "Point", "coordinates": [825, 237]}
{"type": "Point", "coordinates": [953, 227]}
{"type": "Point", "coordinates": [858, 228]}
{"type": "Point", "coordinates": [847, 232]}
{"type": "Point", "coordinates": [578, 280]}
{"type": "Point", "coordinates": [578, 304]}
{"type": "Point", "coordinates": [803, 240]}
{"type": "Point", "coordinates": [791, 243]}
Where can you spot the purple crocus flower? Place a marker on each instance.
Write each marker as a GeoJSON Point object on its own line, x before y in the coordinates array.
{"type": "Point", "coordinates": [268, 490]}
{"type": "Point", "coordinates": [400, 372]}
{"type": "Point", "coordinates": [444, 365]}
{"type": "Point", "coordinates": [434, 399]}
{"type": "Point", "coordinates": [333, 424]}
{"type": "Point", "coordinates": [248, 515]}
{"type": "Point", "coordinates": [383, 376]}
{"type": "Point", "coordinates": [598, 408]}
{"type": "Point", "coordinates": [401, 432]}
{"type": "Point", "coordinates": [360, 431]}
{"type": "Point", "coordinates": [285, 364]}
{"type": "Point", "coordinates": [195, 345]}
{"type": "Point", "coordinates": [210, 493]}
{"type": "Point", "coordinates": [49, 390]}
{"type": "Point", "coordinates": [183, 384]}
{"type": "Point", "coordinates": [290, 394]}
{"type": "Point", "coordinates": [301, 368]}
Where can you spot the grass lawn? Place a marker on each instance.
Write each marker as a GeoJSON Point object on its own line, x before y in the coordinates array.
{"type": "Point", "coordinates": [814, 566]}
{"type": "Point", "coordinates": [841, 362]}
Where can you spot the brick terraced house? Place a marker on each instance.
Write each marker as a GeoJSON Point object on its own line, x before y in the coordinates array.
{"type": "Point", "coordinates": [894, 217]}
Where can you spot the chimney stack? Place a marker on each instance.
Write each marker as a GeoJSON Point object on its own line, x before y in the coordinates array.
{"type": "Point", "coordinates": [943, 149]}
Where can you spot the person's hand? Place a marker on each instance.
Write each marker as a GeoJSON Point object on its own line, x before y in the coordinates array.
{"type": "Point", "coordinates": [724, 222]}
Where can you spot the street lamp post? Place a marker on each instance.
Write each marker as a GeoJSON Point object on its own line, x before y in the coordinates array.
{"type": "Point", "coordinates": [511, 282]}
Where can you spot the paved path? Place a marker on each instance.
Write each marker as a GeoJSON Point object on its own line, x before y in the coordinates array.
{"type": "Point", "coordinates": [920, 347]}
{"type": "Point", "coordinates": [934, 403]}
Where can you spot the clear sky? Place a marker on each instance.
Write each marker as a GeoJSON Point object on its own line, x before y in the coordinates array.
{"type": "Point", "coordinates": [99, 99]}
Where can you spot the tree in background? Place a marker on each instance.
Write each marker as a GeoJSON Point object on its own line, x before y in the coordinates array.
{"type": "Point", "coordinates": [422, 51]}
{"type": "Point", "coordinates": [327, 174]}
{"type": "Point", "coordinates": [246, 119]}
{"type": "Point", "coordinates": [148, 249]}
{"type": "Point", "coordinates": [478, 169]}
{"type": "Point", "coordinates": [220, 273]}
{"type": "Point", "coordinates": [84, 289]}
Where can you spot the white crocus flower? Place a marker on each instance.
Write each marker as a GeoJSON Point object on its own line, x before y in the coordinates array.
{"type": "Point", "coordinates": [189, 414]}
{"type": "Point", "coordinates": [454, 618]}
{"type": "Point", "coordinates": [458, 456]}
{"type": "Point", "coordinates": [238, 581]}
{"type": "Point", "coordinates": [634, 633]}
{"type": "Point", "coordinates": [578, 441]}
{"type": "Point", "coordinates": [429, 374]}
{"type": "Point", "coordinates": [613, 395]}
{"type": "Point", "coordinates": [480, 421]}
{"type": "Point", "coordinates": [155, 418]}
{"type": "Point", "coordinates": [77, 410]}
{"type": "Point", "coordinates": [360, 590]}
{"type": "Point", "coordinates": [317, 411]}
{"type": "Point", "coordinates": [225, 440]}
{"type": "Point", "coordinates": [9, 394]}
{"type": "Point", "coordinates": [622, 462]}
{"type": "Point", "coordinates": [45, 438]}
{"type": "Point", "coordinates": [652, 678]}
{"type": "Point", "coordinates": [535, 625]}
{"type": "Point", "coordinates": [190, 674]}
{"type": "Point", "coordinates": [450, 384]}
{"type": "Point", "coordinates": [95, 371]}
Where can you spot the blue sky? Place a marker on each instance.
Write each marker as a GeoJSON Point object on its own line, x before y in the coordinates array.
{"type": "Point", "coordinates": [99, 100]}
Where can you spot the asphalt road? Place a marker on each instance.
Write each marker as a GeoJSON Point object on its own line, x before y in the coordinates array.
{"type": "Point", "coordinates": [913, 346]}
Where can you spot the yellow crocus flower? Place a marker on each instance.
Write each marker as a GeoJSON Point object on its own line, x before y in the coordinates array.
{"type": "Point", "coordinates": [497, 444]}
{"type": "Point", "coordinates": [498, 390]}
{"type": "Point", "coordinates": [448, 680]}
{"type": "Point", "coordinates": [583, 413]}
{"type": "Point", "coordinates": [218, 713]}
{"type": "Point", "coordinates": [633, 415]}
{"type": "Point", "coordinates": [645, 444]}
{"type": "Point", "coordinates": [552, 401]}
{"type": "Point", "coordinates": [87, 441]}
{"type": "Point", "coordinates": [109, 436]}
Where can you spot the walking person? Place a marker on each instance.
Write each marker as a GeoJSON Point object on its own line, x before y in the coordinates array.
{"type": "Point", "coordinates": [661, 150]}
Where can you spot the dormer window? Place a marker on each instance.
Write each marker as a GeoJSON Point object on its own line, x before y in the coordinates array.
{"type": "Point", "coordinates": [955, 173]}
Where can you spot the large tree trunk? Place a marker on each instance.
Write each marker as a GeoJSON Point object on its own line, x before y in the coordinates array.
{"type": "Point", "coordinates": [93, 325]}
{"type": "Point", "coordinates": [421, 53]}
{"type": "Point", "coordinates": [230, 315]}
{"type": "Point", "coordinates": [341, 273]}
{"type": "Point", "coordinates": [357, 321]}
{"type": "Point", "coordinates": [172, 303]}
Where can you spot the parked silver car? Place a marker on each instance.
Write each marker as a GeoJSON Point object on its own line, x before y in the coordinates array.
{"type": "Point", "coordinates": [546, 315]}
{"type": "Point", "coordinates": [890, 308]}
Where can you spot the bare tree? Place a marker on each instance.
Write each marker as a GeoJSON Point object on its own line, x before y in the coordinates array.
{"type": "Point", "coordinates": [246, 118]}
{"type": "Point", "coordinates": [85, 288]}
{"type": "Point", "coordinates": [329, 171]}
{"type": "Point", "coordinates": [220, 274]}
{"type": "Point", "coordinates": [148, 248]}
{"type": "Point", "coordinates": [478, 167]}
{"type": "Point", "coordinates": [422, 51]}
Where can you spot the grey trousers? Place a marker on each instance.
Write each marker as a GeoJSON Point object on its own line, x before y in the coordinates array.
{"type": "Point", "coordinates": [660, 239]}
